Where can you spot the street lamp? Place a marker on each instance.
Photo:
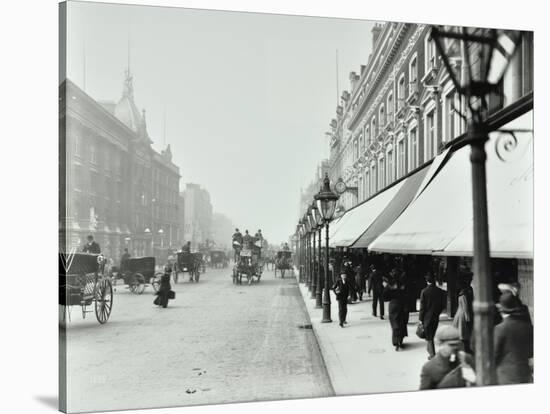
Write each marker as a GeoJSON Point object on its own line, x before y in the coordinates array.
{"type": "Point", "coordinates": [326, 204]}
{"type": "Point", "coordinates": [313, 231]}
{"type": "Point", "coordinates": [318, 220]}
{"type": "Point", "coordinates": [307, 218]}
{"type": "Point", "coordinates": [148, 233]}
{"type": "Point", "coordinates": [487, 54]}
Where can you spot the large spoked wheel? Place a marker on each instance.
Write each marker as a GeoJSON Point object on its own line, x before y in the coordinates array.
{"type": "Point", "coordinates": [155, 281]}
{"type": "Point", "coordinates": [103, 300]}
{"type": "Point", "coordinates": [137, 285]}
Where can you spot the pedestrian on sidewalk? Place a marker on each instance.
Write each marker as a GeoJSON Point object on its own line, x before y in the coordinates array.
{"type": "Point", "coordinates": [432, 303]}
{"type": "Point", "coordinates": [376, 285]}
{"type": "Point", "coordinates": [394, 293]}
{"type": "Point", "coordinates": [341, 290]}
{"type": "Point", "coordinates": [451, 367]}
{"type": "Point", "coordinates": [360, 281]}
{"type": "Point", "coordinates": [513, 342]}
{"type": "Point", "coordinates": [348, 269]}
{"type": "Point", "coordinates": [464, 317]}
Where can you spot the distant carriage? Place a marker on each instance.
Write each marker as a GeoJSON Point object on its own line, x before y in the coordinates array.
{"type": "Point", "coordinates": [137, 273]}
{"type": "Point", "coordinates": [283, 262]}
{"type": "Point", "coordinates": [249, 265]}
{"type": "Point", "coordinates": [218, 258]}
{"type": "Point", "coordinates": [82, 283]}
{"type": "Point", "coordinates": [190, 263]}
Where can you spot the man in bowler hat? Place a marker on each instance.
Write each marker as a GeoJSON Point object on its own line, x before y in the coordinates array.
{"type": "Point", "coordinates": [341, 290]}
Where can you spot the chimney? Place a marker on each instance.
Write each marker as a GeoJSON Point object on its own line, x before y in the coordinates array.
{"type": "Point", "coordinates": [345, 96]}
{"type": "Point", "coordinates": [339, 110]}
{"type": "Point", "coordinates": [363, 67]}
{"type": "Point", "coordinates": [376, 30]}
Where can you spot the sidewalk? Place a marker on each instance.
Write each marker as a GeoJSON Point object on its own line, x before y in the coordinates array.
{"type": "Point", "coordinates": [360, 358]}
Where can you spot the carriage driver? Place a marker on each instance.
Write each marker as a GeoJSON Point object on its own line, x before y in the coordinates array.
{"type": "Point", "coordinates": [186, 248]}
{"type": "Point", "coordinates": [258, 237]}
{"type": "Point", "coordinates": [91, 246]}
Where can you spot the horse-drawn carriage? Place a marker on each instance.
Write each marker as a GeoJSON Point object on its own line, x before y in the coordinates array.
{"type": "Point", "coordinates": [137, 273]}
{"type": "Point", "coordinates": [248, 264]}
{"type": "Point", "coordinates": [82, 283]}
{"type": "Point", "coordinates": [190, 263]}
{"type": "Point", "coordinates": [218, 258]}
{"type": "Point", "coordinates": [283, 262]}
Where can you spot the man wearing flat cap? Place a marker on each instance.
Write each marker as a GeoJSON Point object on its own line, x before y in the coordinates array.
{"type": "Point", "coordinates": [451, 366]}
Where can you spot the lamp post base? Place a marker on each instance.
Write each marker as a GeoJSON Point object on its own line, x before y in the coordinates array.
{"type": "Point", "coordinates": [326, 314]}
{"type": "Point", "coordinates": [313, 289]}
{"type": "Point", "coordinates": [318, 300]}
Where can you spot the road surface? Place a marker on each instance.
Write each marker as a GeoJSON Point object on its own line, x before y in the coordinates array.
{"type": "Point", "coordinates": [215, 343]}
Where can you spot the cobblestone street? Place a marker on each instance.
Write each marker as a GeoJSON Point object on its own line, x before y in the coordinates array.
{"type": "Point", "coordinates": [215, 343]}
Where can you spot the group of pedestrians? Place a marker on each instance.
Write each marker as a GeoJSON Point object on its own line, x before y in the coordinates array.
{"type": "Point", "coordinates": [450, 347]}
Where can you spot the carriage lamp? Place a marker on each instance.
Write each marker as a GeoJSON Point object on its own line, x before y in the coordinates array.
{"type": "Point", "coordinates": [486, 55]}
{"type": "Point", "coordinates": [326, 204]}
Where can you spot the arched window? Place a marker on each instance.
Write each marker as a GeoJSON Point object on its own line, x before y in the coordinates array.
{"type": "Point", "coordinates": [382, 116]}
{"type": "Point", "coordinates": [390, 106]}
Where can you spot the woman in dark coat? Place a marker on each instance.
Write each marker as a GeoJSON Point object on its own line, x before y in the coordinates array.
{"type": "Point", "coordinates": [394, 293]}
{"type": "Point", "coordinates": [464, 317]}
{"type": "Point", "coordinates": [163, 294]}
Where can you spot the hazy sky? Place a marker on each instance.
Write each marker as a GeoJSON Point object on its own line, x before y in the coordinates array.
{"type": "Point", "coordinates": [248, 96]}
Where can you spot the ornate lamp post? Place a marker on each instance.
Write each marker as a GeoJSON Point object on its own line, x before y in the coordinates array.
{"type": "Point", "coordinates": [318, 220]}
{"type": "Point", "coordinates": [308, 269]}
{"type": "Point", "coordinates": [313, 232]}
{"type": "Point", "coordinates": [326, 203]}
{"type": "Point", "coordinates": [487, 54]}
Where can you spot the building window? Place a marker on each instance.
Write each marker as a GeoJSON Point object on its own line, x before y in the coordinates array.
{"type": "Point", "coordinates": [367, 135]}
{"type": "Point", "coordinates": [429, 141]}
{"type": "Point", "coordinates": [373, 178]}
{"type": "Point", "coordinates": [360, 189]}
{"type": "Point", "coordinates": [382, 116]}
{"type": "Point", "coordinates": [413, 76]}
{"type": "Point", "coordinates": [373, 129]}
{"type": "Point", "coordinates": [366, 184]}
{"type": "Point", "coordinates": [430, 54]}
{"type": "Point", "coordinates": [361, 143]}
{"type": "Point", "coordinates": [93, 154]}
{"type": "Point", "coordinates": [389, 167]}
{"type": "Point", "coordinates": [401, 157]}
{"type": "Point", "coordinates": [381, 174]}
{"type": "Point", "coordinates": [401, 92]}
{"type": "Point", "coordinates": [413, 149]}
{"type": "Point", "coordinates": [390, 106]}
{"type": "Point", "coordinates": [450, 128]}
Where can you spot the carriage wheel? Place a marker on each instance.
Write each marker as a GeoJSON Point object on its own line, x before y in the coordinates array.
{"type": "Point", "coordinates": [138, 284]}
{"type": "Point", "coordinates": [155, 281]}
{"type": "Point", "coordinates": [103, 300]}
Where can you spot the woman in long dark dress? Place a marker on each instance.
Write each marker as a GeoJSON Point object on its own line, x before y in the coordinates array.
{"type": "Point", "coordinates": [163, 294]}
{"type": "Point", "coordinates": [394, 293]}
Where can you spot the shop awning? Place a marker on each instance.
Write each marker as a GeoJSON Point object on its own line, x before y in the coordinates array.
{"type": "Point", "coordinates": [439, 220]}
{"type": "Point", "coordinates": [361, 217]}
{"type": "Point", "coordinates": [394, 208]}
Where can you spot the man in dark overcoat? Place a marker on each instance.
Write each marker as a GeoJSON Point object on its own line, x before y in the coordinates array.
{"type": "Point", "coordinates": [341, 290]}
{"type": "Point", "coordinates": [513, 342]}
{"type": "Point", "coordinates": [376, 285]}
{"type": "Point", "coordinates": [432, 303]}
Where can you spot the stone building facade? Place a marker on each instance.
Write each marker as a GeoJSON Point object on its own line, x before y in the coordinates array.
{"type": "Point", "coordinates": [113, 184]}
{"type": "Point", "coordinates": [402, 108]}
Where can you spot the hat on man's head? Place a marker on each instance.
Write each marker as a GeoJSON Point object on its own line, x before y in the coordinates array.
{"type": "Point", "coordinates": [508, 303]}
{"type": "Point", "coordinates": [448, 335]}
{"type": "Point", "coordinates": [512, 287]}
{"type": "Point", "coordinates": [90, 237]}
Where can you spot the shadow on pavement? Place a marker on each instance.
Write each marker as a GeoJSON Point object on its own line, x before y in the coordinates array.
{"type": "Point", "coordinates": [50, 401]}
